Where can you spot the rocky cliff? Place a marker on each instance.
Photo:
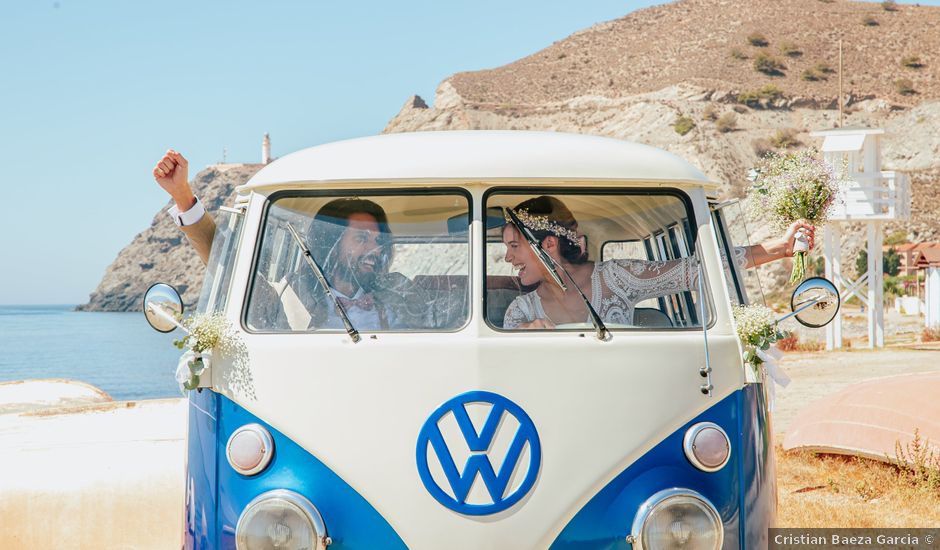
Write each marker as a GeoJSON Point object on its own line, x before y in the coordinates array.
{"type": "Point", "coordinates": [749, 77]}
{"type": "Point", "coordinates": [160, 253]}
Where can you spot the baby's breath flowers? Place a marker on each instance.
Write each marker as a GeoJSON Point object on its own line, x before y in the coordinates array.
{"type": "Point", "coordinates": [794, 186]}
{"type": "Point", "coordinates": [207, 332]}
{"type": "Point", "coordinates": [757, 329]}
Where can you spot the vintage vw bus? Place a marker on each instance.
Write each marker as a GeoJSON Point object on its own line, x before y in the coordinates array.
{"type": "Point", "coordinates": [420, 419]}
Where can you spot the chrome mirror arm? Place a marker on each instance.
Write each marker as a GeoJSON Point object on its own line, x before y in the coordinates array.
{"type": "Point", "coordinates": [159, 311]}
{"type": "Point", "coordinates": [805, 305]}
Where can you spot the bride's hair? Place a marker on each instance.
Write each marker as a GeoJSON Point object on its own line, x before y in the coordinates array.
{"type": "Point", "coordinates": [560, 223]}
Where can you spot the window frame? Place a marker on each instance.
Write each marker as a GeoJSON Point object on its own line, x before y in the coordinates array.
{"type": "Point", "coordinates": [717, 212]}
{"type": "Point", "coordinates": [364, 193]}
{"type": "Point", "coordinates": [560, 192]}
{"type": "Point", "coordinates": [219, 294]}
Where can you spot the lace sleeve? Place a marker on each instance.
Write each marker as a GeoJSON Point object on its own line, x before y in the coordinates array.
{"type": "Point", "coordinates": [740, 257]}
{"type": "Point", "coordinates": [517, 313]}
{"type": "Point", "coordinates": [652, 279]}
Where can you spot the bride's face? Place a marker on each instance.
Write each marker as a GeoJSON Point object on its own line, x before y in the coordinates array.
{"type": "Point", "coordinates": [521, 256]}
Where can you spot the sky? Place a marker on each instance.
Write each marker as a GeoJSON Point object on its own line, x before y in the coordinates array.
{"type": "Point", "coordinates": [92, 93]}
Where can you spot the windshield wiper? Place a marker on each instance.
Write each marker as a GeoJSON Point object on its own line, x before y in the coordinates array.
{"type": "Point", "coordinates": [550, 263]}
{"type": "Point", "coordinates": [350, 329]}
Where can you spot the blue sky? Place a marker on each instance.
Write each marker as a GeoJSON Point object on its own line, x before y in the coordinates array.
{"type": "Point", "coordinates": [93, 92]}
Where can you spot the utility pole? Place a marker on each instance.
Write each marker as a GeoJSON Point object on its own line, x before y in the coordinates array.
{"type": "Point", "coordinates": [840, 83]}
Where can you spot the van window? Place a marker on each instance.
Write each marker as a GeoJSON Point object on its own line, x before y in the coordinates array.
{"type": "Point", "coordinates": [631, 253]}
{"type": "Point", "coordinates": [390, 262]}
{"type": "Point", "coordinates": [215, 287]}
{"type": "Point", "coordinates": [731, 230]}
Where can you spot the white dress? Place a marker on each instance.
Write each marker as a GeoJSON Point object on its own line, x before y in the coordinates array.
{"type": "Point", "coordinates": [618, 285]}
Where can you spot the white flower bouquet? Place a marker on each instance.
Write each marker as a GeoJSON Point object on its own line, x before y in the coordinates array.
{"type": "Point", "coordinates": [757, 328]}
{"type": "Point", "coordinates": [206, 332]}
{"type": "Point", "coordinates": [791, 187]}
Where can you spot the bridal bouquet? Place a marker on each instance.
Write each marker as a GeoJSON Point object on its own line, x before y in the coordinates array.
{"type": "Point", "coordinates": [795, 186]}
{"type": "Point", "coordinates": [205, 332]}
{"type": "Point", "coordinates": [757, 328]}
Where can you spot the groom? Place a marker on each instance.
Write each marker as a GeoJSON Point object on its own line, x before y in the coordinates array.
{"type": "Point", "coordinates": [349, 240]}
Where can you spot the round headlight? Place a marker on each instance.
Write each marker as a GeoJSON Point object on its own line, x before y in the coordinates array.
{"type": "Point", "coordinates": [707, 446]}
{"type": "Point", "coordinates": [249, 449]}
{"type": "Point", "coordinates": [280, 520]}
{"type": "Point", "coordinates": [677, 518]}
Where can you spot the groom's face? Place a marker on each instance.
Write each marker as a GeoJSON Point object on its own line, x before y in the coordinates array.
{"type": "Point", "coordinates": [360, 249]}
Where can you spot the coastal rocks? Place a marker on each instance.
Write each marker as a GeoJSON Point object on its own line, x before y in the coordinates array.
{"type": "Point", "coordinates": [160, 253]}
{"type": "Point", "coordinates": [632, 78]}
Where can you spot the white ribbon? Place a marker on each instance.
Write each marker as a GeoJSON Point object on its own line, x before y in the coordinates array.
{"type": "Point", "coordinates": [775, 372]}
{"type": "Point", "coordinates": [184, 372]}
{"type": "Point", "coordinates": [800, 241]}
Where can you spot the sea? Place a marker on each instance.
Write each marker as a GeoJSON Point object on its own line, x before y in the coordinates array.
{"type": "Point", "coordinates": [116, 352]}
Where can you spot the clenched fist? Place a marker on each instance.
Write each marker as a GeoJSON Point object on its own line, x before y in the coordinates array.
{"type": "Point", "coordinates": [172, 174]}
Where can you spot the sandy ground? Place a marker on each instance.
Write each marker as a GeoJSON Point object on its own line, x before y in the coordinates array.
{"type": "Point", "coordinates": [99, 475]}
{"type": "Point", "coordinates": [817, 374]}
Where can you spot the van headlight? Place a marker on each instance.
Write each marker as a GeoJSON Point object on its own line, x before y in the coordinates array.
{"type": "Point", "coordinates": [677, 518]}
{"type": "Point", "coordinates": [280, 520]}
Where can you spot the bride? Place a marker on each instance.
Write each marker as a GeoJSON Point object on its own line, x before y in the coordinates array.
{"type": "Point", "coordinates": [614, 287]}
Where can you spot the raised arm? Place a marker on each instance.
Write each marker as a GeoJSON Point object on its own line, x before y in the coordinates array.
{"type": "Point", "coordinates": [171, 173]}
{"type": "Point", "coordinates": [652, 279]}
{"type": "Point", "coordinates": [766, 252]}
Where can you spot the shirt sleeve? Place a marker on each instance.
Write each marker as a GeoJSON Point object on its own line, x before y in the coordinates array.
{"type": "Point", "coordinates": [189, 217]}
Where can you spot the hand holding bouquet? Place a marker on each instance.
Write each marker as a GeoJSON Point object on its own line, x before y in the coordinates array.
{"type": "Point", "coordinates": [791, 188]}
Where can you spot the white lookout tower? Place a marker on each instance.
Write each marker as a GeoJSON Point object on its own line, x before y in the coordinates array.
{"type": "Point", "coordinates": [872, 197]}
{"type": "Point", "coordinates": [266, 149]}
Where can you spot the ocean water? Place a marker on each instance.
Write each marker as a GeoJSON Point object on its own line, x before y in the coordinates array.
{"type": "Point", "coordinates": [117, 352]}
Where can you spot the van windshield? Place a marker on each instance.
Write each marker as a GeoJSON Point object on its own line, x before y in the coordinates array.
{"type": "Point", "coordinates": [394, 263]}
{"type": "Point", "coordinates": [631, 253]}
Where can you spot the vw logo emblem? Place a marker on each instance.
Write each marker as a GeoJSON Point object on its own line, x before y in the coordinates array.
{"type": "Point", "coordinates": [478, 453]}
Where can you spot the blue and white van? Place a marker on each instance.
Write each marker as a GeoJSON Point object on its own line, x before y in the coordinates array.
{"type": "Point", "coordinates": [452, 431]}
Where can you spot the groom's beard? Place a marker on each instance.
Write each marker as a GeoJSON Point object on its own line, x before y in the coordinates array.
{"type": "Point", "coordinates": [361, 271]}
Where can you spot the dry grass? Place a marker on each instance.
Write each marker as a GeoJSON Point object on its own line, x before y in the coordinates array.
{"type": "Point", "coordinates": [837, 491]}
{"type": "Point", "coordinates": [792, 343]}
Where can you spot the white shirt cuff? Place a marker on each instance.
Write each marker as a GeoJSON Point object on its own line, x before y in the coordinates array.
{"type": "Point", "coordinates": [189, 217]}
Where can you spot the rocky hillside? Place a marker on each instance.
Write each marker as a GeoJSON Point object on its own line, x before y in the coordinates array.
{"type": "Point", "coordinates": [693, 61]}
{"type": "Point", "coordinates": [160, 253]}
{"type": "Point", "coordinates": [635, 78]}
{"type": "Point", "coordinates": [713, 44]}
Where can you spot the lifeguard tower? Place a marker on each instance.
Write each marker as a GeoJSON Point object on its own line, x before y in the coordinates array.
{"type": "Point", "coordinates": [870, 196]}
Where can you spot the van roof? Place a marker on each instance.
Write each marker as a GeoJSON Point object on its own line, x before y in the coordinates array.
{"type": "Point", "coordinates": [476, 155]}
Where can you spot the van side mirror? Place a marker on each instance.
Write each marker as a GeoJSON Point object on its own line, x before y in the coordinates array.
{"type": "Point", "coordinates": [815, 302]}
{"type": "Point", "coordinates": [163, 307]}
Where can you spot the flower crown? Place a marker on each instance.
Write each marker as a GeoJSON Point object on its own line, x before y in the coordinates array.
{"type": "Point", "coordinates": [542, 223]}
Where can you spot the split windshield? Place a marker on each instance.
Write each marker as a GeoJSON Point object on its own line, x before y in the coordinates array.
{"type": "Point", "coordinates": [392, 262]}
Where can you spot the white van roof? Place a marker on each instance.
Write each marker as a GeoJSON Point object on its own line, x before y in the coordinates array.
{"type": "Point", "coordinates": [477, 155]}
